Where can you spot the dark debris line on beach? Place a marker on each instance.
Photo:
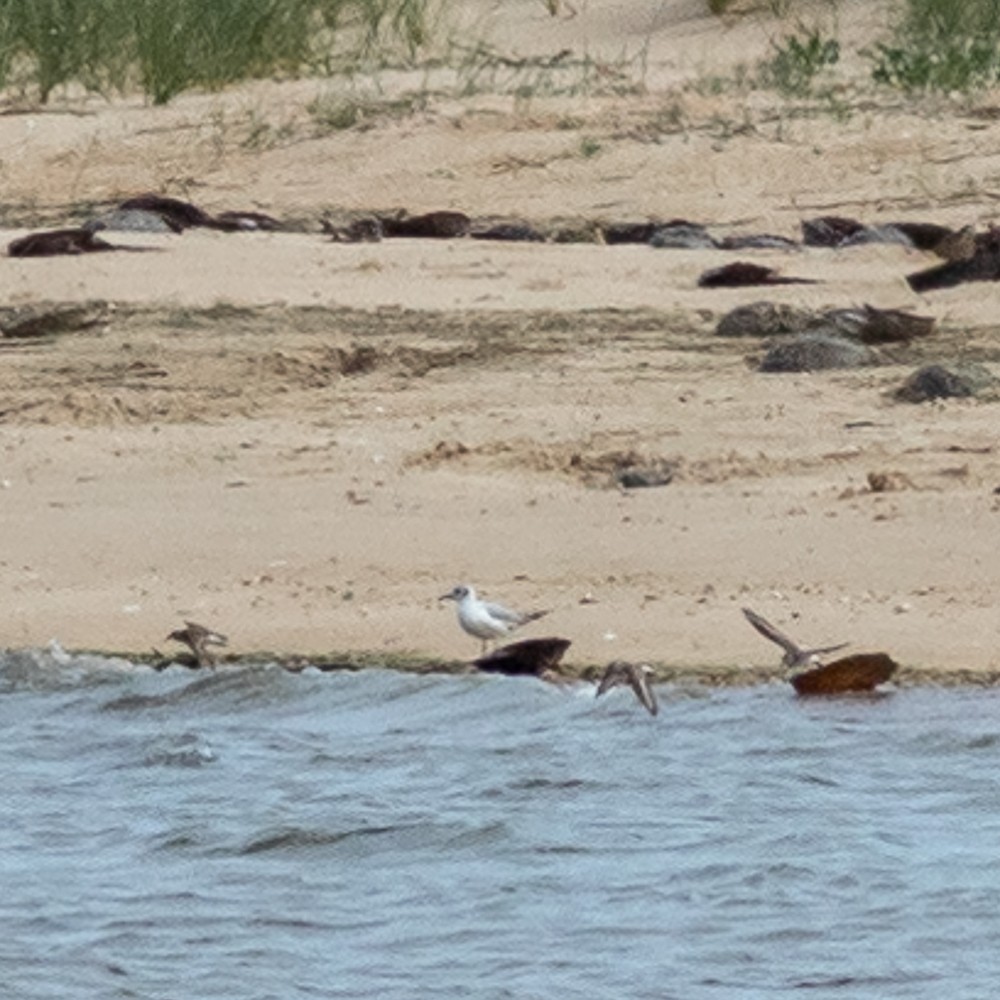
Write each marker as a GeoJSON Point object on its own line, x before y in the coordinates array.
{"type": "Point", "coordinates": [836, 339]}
{"type": "Point", "coordinates": [159, 213]}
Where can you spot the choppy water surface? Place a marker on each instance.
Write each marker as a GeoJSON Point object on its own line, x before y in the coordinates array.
{"type": "Point", "coordinates": [254, 834]}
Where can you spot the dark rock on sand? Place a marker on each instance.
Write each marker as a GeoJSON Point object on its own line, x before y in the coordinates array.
{"type": "Point", "coordinates": [955, 381]}
{"type": "Point", "coordinates": [246, 222]}
{"type": "Point", "coordinates": [633, 477]}
{"type": "Point", "coordinates": [47, 319]}
{"type": "Point", "coordinates": [757, 241]}
{"type": "Point", "coordinates": [367, 229]}
{"type": "Point", "coordinates": [866, 324]}
{"type": "Point", "coordinates": [838, 231]}
{"type": "Point", "coordinates": [430, 226]}
{"type": "Point", "coordinates": [870, 325]}
{"type": "Point", "coordinates": [529, 657]}
{"type": "Point", "coordinates": [810, 352]}
{"type": "Point", "coordinates": [513, 232]}
{"type": "Point", "coordinates": [630, 232]}
{"type": "Point", "coordinates": [56, 242]}
{"type": "Point", "coordinates": [742, 273]}
{"type": "Point", "coordinates": [681, 235]}
{"type": "Point", "coordinates": [765, 319]}
{"type": "Point", "coordinates": [181, 214]}
{"type": "Point", "coordinates": [828, 230]}
{"type": "Point", "coordinates": [878, 234]}
{"type": "Point", "coordinates": [138, 220]}
{"type": "Point", "coordinates": [577, 231]}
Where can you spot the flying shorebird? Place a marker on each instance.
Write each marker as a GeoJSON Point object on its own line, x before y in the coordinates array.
{"type": "Point", "coordinates": [483, 620]}
{"type": "Point", "coordinates": [636, 676]}
{"type": "Point", "coordinates": [198, 638]}
{"type": "Point", "coordinates": [795, 656]}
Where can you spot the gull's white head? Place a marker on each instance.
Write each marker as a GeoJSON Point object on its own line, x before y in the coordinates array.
{"type": "Point", "coordinates": [458, 593]}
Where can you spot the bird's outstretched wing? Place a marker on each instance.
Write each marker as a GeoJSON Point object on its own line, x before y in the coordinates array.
{"type": "Point", "coordinates": [636, 677]}
{"type": "Point", "coordinates": [639, 680]}
{"type": "Point", "coordinates": [767, 630]}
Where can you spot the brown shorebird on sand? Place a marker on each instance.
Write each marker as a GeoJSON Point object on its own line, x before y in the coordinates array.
{"type": "Point", "coordinates": [198, 638]}
{"type": "Point", "coordinates": [960, 244]}
{"type": "Point", "coordinates": [636, 676]}
{"type": "Point", "coordinates": [794, 655]}
{"type": "Point", "coordinates": [983, 264]}
{"type": "Point", "coordinates": [486, 621]}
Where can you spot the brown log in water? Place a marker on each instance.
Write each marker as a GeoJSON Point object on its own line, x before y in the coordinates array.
{"type": "Point", "coordinates": [860, 672]}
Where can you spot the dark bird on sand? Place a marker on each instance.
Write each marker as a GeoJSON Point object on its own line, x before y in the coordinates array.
{"type": "Point", "coordinates": [794, 655]}
{"type": "Point", "coordinates": [636, 676]}
{"type": "Point", "coordinates": [742, 273]}
{"type": "Point", "coordinates": [198, 638]}
{"type": "Point", "coordinates": [860, 672]}
{"type": "Point", "coordinates": [55, 242]}
{"type": "Point", "coordinates": [525, 658]}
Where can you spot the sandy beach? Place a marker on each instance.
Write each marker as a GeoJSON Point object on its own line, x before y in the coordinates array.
{"type": "Point", "coordinates": [304, 444]}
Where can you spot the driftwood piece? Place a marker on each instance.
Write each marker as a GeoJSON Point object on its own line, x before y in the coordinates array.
{"type": "Point", "coordinates": [848, 675]}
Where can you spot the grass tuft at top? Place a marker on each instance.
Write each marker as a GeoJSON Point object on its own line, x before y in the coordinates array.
{"type": "Point", "coordinates": [164, 47]}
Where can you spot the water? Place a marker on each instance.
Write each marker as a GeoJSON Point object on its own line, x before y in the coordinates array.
{"type": "Point", "coordinates": [254, 834]}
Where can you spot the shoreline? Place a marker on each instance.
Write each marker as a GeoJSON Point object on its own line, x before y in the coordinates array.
{"type": "Point", "coordinates": [711, 677]}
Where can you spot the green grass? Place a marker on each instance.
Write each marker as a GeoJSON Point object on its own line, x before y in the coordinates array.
{"type": "Point", "coordinates": [942, 45]}
{"type": "Point", "coordinates": [797, 60]}
{"type": "Point", "coordinates": [164, 47]}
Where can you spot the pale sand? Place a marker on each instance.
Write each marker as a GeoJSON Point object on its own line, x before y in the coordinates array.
{"type": "Point", "coordinates": [215, 464]}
